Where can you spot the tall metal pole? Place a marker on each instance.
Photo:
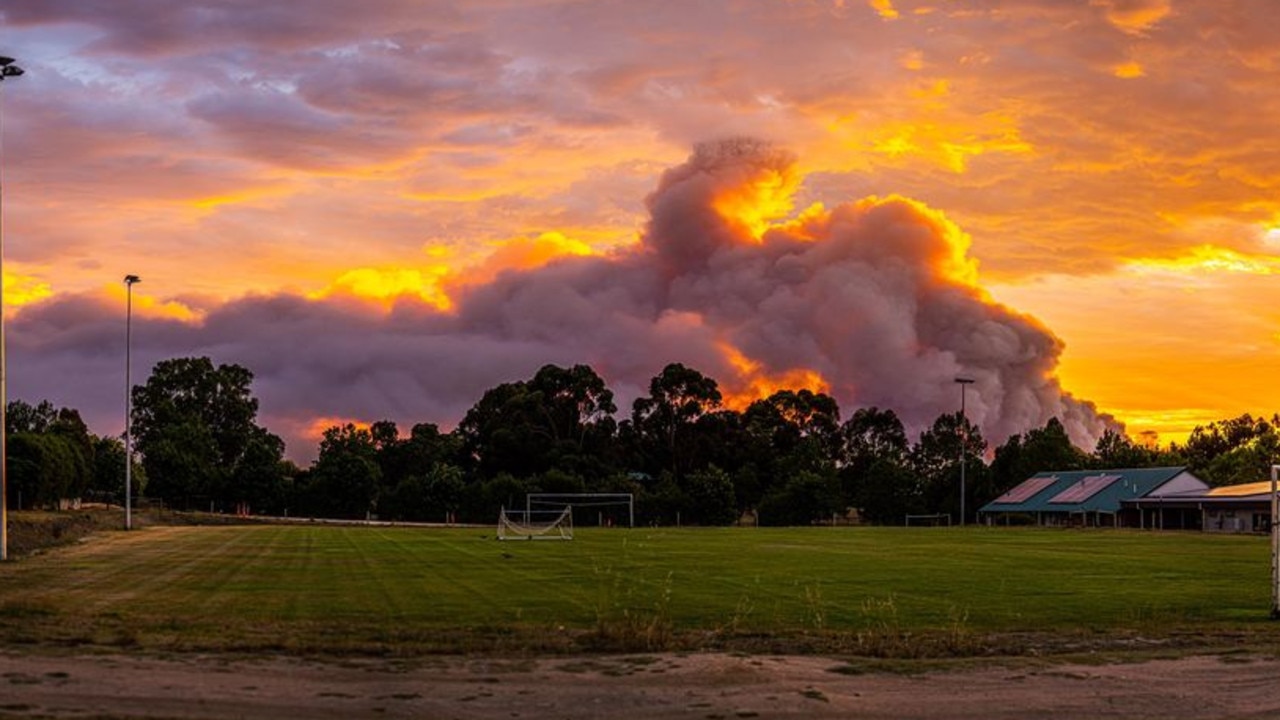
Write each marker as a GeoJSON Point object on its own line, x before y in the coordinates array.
{"type": "Point", "coordinates": [129, 280]}
{"type": "Point", "coordinates": [1275, 546]}
{"type": "Point", "coordinates": [7, 70]}
{"type": "Point", "coordinates": [964, 384]}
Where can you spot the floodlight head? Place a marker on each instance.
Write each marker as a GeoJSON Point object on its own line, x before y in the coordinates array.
{"type": "Point", "coordinates": [131, 279]}
{"type": "Point", "coordinates": [12, 71]}
{"type": "Point", "coordinates": [5, 61]}
{"type": "Point", "coordinates": [965, 380]}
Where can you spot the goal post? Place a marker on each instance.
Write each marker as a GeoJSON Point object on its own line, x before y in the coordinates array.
{"type": "Point", "coordinates": [533, 502]}
{"type": "Point", "coordinates": [536, 525]}
{"type": "Point", "coordinates": [929, 520]}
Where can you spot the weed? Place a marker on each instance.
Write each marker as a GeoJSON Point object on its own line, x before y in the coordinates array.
{"type": "Point", "coordinates": [882, 635]}
{"type": "Point", "coordinates": [627, 621]}
{"type": "Point", "coordinates": [814, 606]}
{"type": "Point", "coordinates": [741, 613]}
{"type": "Point", "coordinates": [958, 639]}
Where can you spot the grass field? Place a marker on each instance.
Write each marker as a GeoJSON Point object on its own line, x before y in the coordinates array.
{"type": "Point", "coordinates": [406, 590]}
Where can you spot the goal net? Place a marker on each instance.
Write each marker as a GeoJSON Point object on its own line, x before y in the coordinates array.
{"type": "Point", "coordinates": [604, 509]}
{"type": "Point", "coordinates": [535, 525]}
{"type": "Point", "coordinates": [934, 520]}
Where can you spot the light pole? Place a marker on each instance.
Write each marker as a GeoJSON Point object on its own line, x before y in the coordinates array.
{"type": "Point", "coordinates": [7, 70]}
{"type": "Point", "coordinates": [964, 384]}
{"type": "Point", "coordinates": [129, 281]}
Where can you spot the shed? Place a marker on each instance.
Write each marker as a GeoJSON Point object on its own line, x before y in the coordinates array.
{"type": "Point", "coordinates": [1097, 498]}
{"type": "Point", "coordinates": [1230, 508]}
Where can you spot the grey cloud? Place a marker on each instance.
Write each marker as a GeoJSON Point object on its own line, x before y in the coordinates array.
{"type": "Point", "coordinates": [152, 27]}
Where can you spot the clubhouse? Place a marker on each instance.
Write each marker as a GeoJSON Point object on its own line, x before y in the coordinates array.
{"type": "Point", "coordinates": [1169, 498]}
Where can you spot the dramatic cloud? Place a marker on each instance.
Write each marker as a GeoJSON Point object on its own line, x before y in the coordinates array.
{"type": "Point", "coordinates": [875, 301]}
{"type": "Point", "coordinates": [412, 151]}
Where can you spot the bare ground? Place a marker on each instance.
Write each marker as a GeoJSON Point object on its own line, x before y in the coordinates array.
{"type": "Point", "coordinates": [705, 686]}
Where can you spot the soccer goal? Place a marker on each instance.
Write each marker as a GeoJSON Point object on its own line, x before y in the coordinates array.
{"type": "Point", "coordinates": [604, 504]}
{"type": "Point", "coordinates": [535, 525]}
{"type": "Point", "coordinates": [934, 520]}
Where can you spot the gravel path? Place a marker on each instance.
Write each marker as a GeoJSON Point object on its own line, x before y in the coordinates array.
{"type": "Point", "coordinates": [708, 687]}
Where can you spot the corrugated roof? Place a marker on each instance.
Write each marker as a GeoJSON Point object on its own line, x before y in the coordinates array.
{"type": "Point", "coordinates": [1256, 488]}
{"type": "Point", "coordinates": [1127, 484]}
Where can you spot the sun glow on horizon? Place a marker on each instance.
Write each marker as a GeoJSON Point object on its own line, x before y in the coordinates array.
{"type": "Point", "coordinates": [1208, 259]}
{"type": "Point", "coordinates": [315, 428]}
{"type": "Point", "coordinates": [1217, 345]}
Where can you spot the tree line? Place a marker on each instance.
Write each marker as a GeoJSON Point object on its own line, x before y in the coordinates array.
{"type": "Point", "coordinates": [788, 459]}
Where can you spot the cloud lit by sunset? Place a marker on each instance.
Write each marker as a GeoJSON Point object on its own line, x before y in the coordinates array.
{"type": "Point", "coordinates": [750, 382]}
{"type": "Point", "coordinates": [20, 290]}
{"type": "Point", "coordinates": [383, 215]}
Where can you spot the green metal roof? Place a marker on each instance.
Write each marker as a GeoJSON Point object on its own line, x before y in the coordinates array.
{"type": "Point", "coordinates": [1082, 490]}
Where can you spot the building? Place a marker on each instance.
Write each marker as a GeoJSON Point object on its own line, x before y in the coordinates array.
{"type": "Point", "coordinates": [1102, 498]}
{"type": "Point", "coordinates": [1231, 508]}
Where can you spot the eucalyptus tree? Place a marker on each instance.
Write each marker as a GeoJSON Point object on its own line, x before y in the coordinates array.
{"type": "Point", "coordinates": [666, 420]}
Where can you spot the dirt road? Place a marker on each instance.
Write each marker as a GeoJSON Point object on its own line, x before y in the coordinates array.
{"type": "Point", "coordinates": [660, 686]}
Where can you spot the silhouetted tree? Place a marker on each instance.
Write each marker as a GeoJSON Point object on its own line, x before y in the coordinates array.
{"type": "Point", "coordinates": [711, 497]}
{"type": "Point", "coordinates": [806, 497]}
{"type": "Point", "coordinates": [791, 432]}
{"type": "Point", "coordinates": [50, 454]}
{"type": "Point", "coordinates": [1040, 450]}
{"type": "Point", "coordinates": [344, 480]}
{"type": "Point", "coordinates": [192, 425]}
{"type": "Point", "coordinates": [936, 461]}
{"type": "Point", "coordinates": [1240, 449]}
{"type": "Point", "coordinates": [559, 419]}
{"type": "Point", "coordinates": [875, 476]}
{"type": "Point", "coordinates": [665, 419]}
{"type": "Point", "coordinates": [1115, 450]}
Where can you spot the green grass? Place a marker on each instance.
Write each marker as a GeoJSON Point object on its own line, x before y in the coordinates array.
{"type": "Point", "coordinates": [880, 591]}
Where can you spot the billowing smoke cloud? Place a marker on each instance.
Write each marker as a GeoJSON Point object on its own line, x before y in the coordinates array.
{"type": "Point", "coordinates": [874, 301]}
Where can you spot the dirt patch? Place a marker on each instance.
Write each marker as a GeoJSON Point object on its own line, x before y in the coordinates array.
{"type": "Point", "coordinates": [708, 686]}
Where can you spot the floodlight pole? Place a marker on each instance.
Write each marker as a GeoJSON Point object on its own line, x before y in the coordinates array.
{"type": "Point", "coordinates": [1275, 545]}
{"type": "Point", "coordinates": [7, 70]}
{"type": "Point", "coordinates": [129, 281]}
{"type": "Point", "coordinates": [964, 384]}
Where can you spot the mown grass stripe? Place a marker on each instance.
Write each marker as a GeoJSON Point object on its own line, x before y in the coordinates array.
{"type": "Point", "coordinates": [352, 582]}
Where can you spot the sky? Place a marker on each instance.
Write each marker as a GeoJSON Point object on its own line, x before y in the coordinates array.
{"type": "Point", "coordinates": [383, 209]}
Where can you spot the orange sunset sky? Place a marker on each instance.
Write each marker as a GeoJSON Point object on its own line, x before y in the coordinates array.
{"type": "Point", "coordinates": [377, 206]}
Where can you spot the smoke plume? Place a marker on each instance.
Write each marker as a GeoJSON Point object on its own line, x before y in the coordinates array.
{"type": "Point", "coordinates": [873, 301]}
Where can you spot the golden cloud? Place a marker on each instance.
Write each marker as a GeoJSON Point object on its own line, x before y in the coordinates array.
{"type": "Point", "coordinates": [1134, 17]}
